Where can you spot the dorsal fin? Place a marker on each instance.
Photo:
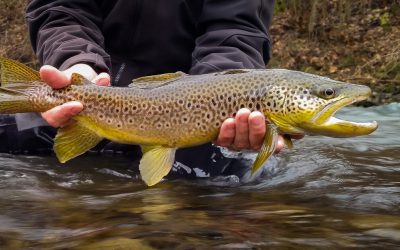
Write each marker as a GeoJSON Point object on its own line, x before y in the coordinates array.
{"type": "Point", "coordinates": [78, 79]}
{"type": "Point", "coordinates": [149, 82]}
{"type": "Point", "coordinates": [13, 71]}
{"type": "Point", "coordinates": [234, 71]}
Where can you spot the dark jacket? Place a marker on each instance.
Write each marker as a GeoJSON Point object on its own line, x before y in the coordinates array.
{"type": "Point", "coordinates": [132, 38]}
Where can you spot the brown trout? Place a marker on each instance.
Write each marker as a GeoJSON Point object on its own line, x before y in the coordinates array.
{"type": "Point", "coordinates": [169, 111]}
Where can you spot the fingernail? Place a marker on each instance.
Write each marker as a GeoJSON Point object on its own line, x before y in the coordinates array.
{"type": "Point", "coordinates": [257, 122]}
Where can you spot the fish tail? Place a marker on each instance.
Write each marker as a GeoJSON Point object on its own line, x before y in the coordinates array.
{"type": "Point", "coordinates": [16, 81]}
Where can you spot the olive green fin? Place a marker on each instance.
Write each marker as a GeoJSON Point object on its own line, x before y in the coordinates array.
{"type": "Point", "coordinates": [74, 140]}
{"type": "Point", "coordinates": [288, 141]}
{"type": "Point", "coordinates": [149, 82]}
{"type": "Point", "coordinates": [13, 71]}
{"type": "Point", "coordinates": [267, 149]}
{"type": "Point", "coordinates": [78, 79]}
{"type": "Point", "coordinates": [156, 163]}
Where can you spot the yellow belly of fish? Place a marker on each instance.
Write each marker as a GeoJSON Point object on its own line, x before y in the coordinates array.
{"type": "Point", "coordinates": [134, 136]}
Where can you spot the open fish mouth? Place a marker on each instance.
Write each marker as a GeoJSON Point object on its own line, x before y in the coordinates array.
{"type": "Point", "coordinates": [324, 123]}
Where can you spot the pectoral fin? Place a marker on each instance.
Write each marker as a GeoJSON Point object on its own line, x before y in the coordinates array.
{"type": "Point", "coordinates": [74, 140]}
{"type": "Point", "coordinates": [156, 163]}
{"type": "Point", "coordinates": [288, 141]}
{"type": "Point", "coordinates": [267, 149]}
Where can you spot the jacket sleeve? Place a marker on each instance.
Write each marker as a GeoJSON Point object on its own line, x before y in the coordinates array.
{"type": "Point", "coordinates": [232, 34]}
{"type": "Point", "coordinates": [66, 32]}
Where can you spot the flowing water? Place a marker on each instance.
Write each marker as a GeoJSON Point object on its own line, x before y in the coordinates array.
{"type": "Point", "coordinates": [325, 194]}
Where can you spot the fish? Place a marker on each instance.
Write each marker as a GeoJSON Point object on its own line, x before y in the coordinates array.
{"type": "Point", "coordinates": [162, 113]}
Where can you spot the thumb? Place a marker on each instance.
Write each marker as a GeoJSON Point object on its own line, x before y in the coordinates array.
{"type": "Point", "coordinates": [53, 77]}
{"type": "Point", "coordinates": [102, 79]}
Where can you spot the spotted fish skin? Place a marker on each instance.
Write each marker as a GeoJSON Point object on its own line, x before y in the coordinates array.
{"type": "Point", "coordinates": [169, 111]}
{"type": "Point", "coordinates": [188, 111]}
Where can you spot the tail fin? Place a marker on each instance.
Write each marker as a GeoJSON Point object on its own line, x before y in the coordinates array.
{"type": "Point", "coordinates": [15, 81]}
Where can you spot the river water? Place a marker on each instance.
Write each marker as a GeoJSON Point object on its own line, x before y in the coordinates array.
{"type": "Point", "coordinates": [324, 194]}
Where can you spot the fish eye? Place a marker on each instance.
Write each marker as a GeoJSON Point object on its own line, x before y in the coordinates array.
{"type": "Point", "coordinates": [328, 93]}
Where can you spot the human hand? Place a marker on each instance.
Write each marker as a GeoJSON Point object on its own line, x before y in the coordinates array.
{"type": "Point", "coordinates": [61, 115]}
{"type": "Point", "coordinates": [246, 131]}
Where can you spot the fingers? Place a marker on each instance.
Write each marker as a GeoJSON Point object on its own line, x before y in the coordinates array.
{"type": "Point", "coordinates": [241, 140]}
{"type": "Point", "coordinates": [60, 116]}
{"type": "Point", "coordinates": [227, 133]}
{"type": "Point", "coordinates": [53, 77]}
{"type": "Point", "coordinates": [245, 131]}
{"type": "Point", "coordinates": [280, 144]}
{"type": "Point", "coordinates": [257, 130]}
{"type": "Point", "coordinates": [103, 79]}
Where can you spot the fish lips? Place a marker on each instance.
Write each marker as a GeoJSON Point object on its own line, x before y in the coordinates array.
{"type": "Point", "coordinates": [323, 123]}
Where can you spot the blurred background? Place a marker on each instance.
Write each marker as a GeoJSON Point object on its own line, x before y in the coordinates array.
{"type": "Point", "coordinates": [356, 41]}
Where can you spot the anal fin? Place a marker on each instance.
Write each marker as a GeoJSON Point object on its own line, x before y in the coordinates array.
{"type": "Point", "coordinates": [156, 163]}
{"type": "Point", "coordinates": [74, 140]}
{"type": "Point", "coordinates": [267, 149]}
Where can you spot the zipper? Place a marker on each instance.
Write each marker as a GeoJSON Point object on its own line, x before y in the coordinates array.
{"type": "Point", "coordinates": [136, 14]}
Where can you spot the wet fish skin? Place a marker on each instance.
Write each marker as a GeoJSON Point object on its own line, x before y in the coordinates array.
{"type": "Point", "coordinates": [170, 111]}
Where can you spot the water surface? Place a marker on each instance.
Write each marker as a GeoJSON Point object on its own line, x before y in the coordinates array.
{"type": "Point", "coordinates": [325, 194]}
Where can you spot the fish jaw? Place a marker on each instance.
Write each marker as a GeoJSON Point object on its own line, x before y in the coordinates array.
{"type": "Point", "coordinates": [323, 123]}
{"type": "Point", "coordinates": [335, 127]}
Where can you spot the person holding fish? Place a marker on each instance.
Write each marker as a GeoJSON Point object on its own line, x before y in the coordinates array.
{"type": "Point", "coordinates": [113, 42]}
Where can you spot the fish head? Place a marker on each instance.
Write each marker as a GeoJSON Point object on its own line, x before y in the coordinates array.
{"type": "Point", "coordinates": [309, 103]}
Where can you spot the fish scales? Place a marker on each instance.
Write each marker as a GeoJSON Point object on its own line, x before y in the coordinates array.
{"type": "Point", "coordinates": [169, 111]}
{"type": "Point", "coordinates": [187, 111]}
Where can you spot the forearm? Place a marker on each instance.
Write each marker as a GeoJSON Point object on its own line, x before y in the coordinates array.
{"type": "Point", "coordinates": [233, 34]}
{"type": "Point", "coordinates": [64, 33]}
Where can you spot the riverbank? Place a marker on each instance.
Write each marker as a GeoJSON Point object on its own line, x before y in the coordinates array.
{"type": "Point", "coordinates": [361, 47]}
